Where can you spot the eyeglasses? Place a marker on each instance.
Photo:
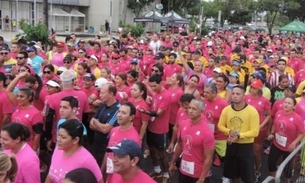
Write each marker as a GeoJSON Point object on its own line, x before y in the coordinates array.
{"type": "Point", "coordinates": [19, 58]}
{"type": "Point", "coordinates": [47, 72]}
{"type": "Point", "coordinates": [4, 53]}
{"type": "Point", "coordinates": [155, 70]}
{"type": "Point", "coordinates": [67, 62]}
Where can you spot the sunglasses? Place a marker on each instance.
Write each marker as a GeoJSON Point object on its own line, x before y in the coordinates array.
{"type": "Point", "coordinates": [67, 62]}
{"type": "Point", "coordinates": [19, 58]}
{"type": "Point", "coordinates": [154, 70]}
{"type": "Point", "coordinates": [4, 53]}
{"type": "Point", "coordinates": [47, 72]}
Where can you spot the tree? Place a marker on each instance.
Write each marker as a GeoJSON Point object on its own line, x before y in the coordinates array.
{"type": "Point", "coordinates": [240, 17]}
{"type": "Point", "coordinates": [137, 5]}
{"type": "Point", "coordinates": [37, 32]}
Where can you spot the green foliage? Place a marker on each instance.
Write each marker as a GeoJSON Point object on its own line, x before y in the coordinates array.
{"type": "Point", "coordinates": [37, 32]}
{"type": "Point", "coordinates": [135, 30]}
{"type": "Point", "coordinates": [137, 5]}
{"type": "Point", "coordinates": [240, 17]}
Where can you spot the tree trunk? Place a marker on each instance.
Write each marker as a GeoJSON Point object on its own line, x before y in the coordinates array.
{"type": "Point", "coordinates": [45, 12]}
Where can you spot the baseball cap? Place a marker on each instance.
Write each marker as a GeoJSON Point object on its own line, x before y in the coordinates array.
{"type": "Point", "coordinates": [126, 147]}
{"type": "Point", "coordinates": [90, 75]}
{"type": "Point", "coordinates": [67, 76]}
{"type": "Point", "coordinates": [100, 82]}
{"type": "Point", "coordinates": [81, 41]}
{"type": "Point", "coordinates": [94, 57]}
{"type": "Point", "coordinates": [60, 44]}
{"type": "Point", "coordinates": [134, 61]}
{"type": "Point", "coordinates": [53, 83]}
{"type": "Point", "coordinates": [234, 74]}
{"type": "Point", "coordinates": [62, 69]}
{"type": "Point", "coordinates": [258, 61]}
{"type": "Point", "coordinates": [270, 50]}
{"type": "Point", "coordinates": [115, 55]}
{"type": "Point", "coordinates": [159, 56]}
{"type": "Point", "coordinates": [292, 88]}
{"type": "Point", "coordinates": [70, 44]}
{"type": "Point", "coordinates": [217, 69]}
{"type": "Point", "coordinates": [4, 48]}
{"type": "Point", "coordinates": [210, 43]}
{"type": "Point", "coordinates": [236, 62]}
{"type": "Point", "coordinates": [257, 83]}
{"type": "Point", "coordinates": [31, 49]}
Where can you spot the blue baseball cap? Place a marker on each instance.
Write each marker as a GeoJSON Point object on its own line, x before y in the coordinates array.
{"type": "Point", "coordinates": [134, 61]}
{"type": "Point", "coordinates": [31, 49]}
{"type": "Point", "coordinates": [126, 147]}
{"type": "Point", "coordinates": [234, 74]}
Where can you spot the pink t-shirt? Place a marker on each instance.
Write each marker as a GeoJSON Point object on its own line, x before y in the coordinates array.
{"type": "Point", "coordinates": [212, 112]}
{"type": "Point", "coordinates": [261, 104]}
{"type": "Point", "coordinates": [139, 117]}
{"type": "Point", "coordinates": [58, 58]}
{"type": "Point", "coordinates": [54, 101]}
{"type": "Point", "coordinates": [195, 139]}
{"type": "Point", "coordinates": [286, 128]}
{"type": "Point", "coordinates": [28, 165]}
{"type": "Point", "coordinates": [278, 105]}
{"type": "Point", "coordinates": [208, 72]}
{"type": "Point", "coordinates": [159, 124]}
{"type": "Point", "coordinates": [28, 117]}
{"type": "Point", "coordinates": [121, 93]}
{"type": "Point", "coordinates": [62, 164]}
{"type": "Point", "coordinates": [117, 68]}
{"type": "Point", "coordinates": [299, 77]}
{"type": "Point", "coordinates": [116, 136]}
{"type": "Point", "coordinates": [172, 69]}
{"type": "Point", "coordinates": [6, 107]}
{"type": "Point", "coordinates": [139, 177]}
{"type": "Point", "coordinates": [175, 103]}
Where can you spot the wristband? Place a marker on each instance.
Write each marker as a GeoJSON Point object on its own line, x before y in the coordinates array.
{"type": "Point", "coordinates": [153, 113]}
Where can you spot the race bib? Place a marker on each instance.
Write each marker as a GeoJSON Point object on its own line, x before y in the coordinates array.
{"type": "Point", "coordinates": [212, 127]}
{"type": "Point", "coordinates": [109, 166]}
{"type": "Point", "coordinates": [281, 140]}
{"type": "Point", "coordinates": [188, 167]}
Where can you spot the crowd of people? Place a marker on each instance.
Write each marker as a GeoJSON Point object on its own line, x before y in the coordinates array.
{"type": "Point", "coordinates": [90, 111]}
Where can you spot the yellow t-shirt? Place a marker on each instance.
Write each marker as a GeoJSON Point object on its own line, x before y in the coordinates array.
{"type": "Point", "coordinates": [222, 94]}
{"type": "Point", "coordinates": [245, 121]}
{"type": "Point", "coordinates": [290, 71]}
{"type": "Point", "coordinates": [247, 67]}
{"type": "Point", "coordinates": [266, 92]}
{"type": "Point", "coordinates": [226, 69]}
{"type": "Point", "coordinates": [300, 88]}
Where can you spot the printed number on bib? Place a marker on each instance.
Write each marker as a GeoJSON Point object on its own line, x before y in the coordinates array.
{"type": "Point", "coordinates": [281, 140]}
{"type": "Point", "coordinates": [188, 167]}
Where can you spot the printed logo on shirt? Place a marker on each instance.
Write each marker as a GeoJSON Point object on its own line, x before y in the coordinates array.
{"type": "Point", "coordinates": [209, 115]}
{"type": "Point", "coordinates": [282, 125]}
{"type": "Point", "coordinates": [236, 123]}
{"type": "Point", "coordinates": [188, 142]}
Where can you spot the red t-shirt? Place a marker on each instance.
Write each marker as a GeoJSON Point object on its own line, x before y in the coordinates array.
{"type": "Point", "coordinates": [278, 105]}
{"type": "Point", "coordinates": [286, 128]}
{"type": "Point", "coordinates": [175, 103]}
{"type": "Point", "coordinates": [212, 112]}
{"type": "Point", "coordinates": [195, 139]}
{"type": "Point", "coordinates": [139, 177]}
{"type": "Point", "coordinates": [6, 107]}
{"type": "Point", "coordinates": [159, 124]}
{"type": "Point", "coordinates": [261, 104]}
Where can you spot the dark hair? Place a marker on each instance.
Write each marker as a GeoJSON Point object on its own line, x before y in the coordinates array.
{"type": "Point", "coordinates": [3, 78]}
{"type": "Point", "coordinates": [97, 43]}
{"type": "Point", "coordinates": [33, 80]}
{"type": "Point", "coordinates": [133, 73]}
{"type": "Point", "coordinates": [132, 108]}
{"type": "Point", "coordinates": [283, 76]}
{"type": "Point", "coordinates": [240, 87]}
{"type": "Point", "coordinates": [143, 88]}
{"type": "Point", "coordinates": [194, 75]}
{"type": "Point", "coordinates": [28, 92]}
{"type": "Point", "coordinates": [16, 130]}
{"type": "Point", "coordinates": [173, 54]}
{"type": "Point", "coordinates": [81, 175]}
{"type": "Point", "coordinates": [180, 78]}
{"type": "Point", "coordinates": [24, 53]}
{"type": "Point", "coordinates": [224, 77]}
{"type": "Point", "coordinates": [212, 86]}
{"type": "Point", "coordinates": [160, 68]}
{"type": "Point", "coordinates": [85, 66]}
{"type": "Point", "coordinates": [293, 99]}
{"type": "Point", "coordinates": [187, 97]}
{"type": "Point", "coordinates": [73, 102]}
{"type": "Point", "coordinates": [74, 128]}
{"type": "Point", "coordinates": [155, 78]}
{"type": "Point", "coordinates": [112, 89]}
{"type": "Point", "coordinates": [49, 66]}
{"type": "Point", "coordinates": [123, 76]}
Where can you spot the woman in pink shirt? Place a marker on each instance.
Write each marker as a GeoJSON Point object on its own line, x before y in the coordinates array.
{"type": "Point", "coordinates": [82, 69]}
{"type": "Point", "coordinates": [287, 131]}
{"type": "Point", "coordinates": [69, 153]}
{"type": "Point", "coordinates": [104, 62]}
{"type": "Point", "coordinates": [132, 77]}
{"type": "Point", "coordinates": [122, 88]}
{"type": "Point", "coordinates": [9, 167]}
{"type": "Point", "coordinates": [263, 107]}
{"type": "Point", "coordinates": [49, 73]}
{"type": "Point", "coordinates": [191, 86]}
{"type": "Point", "coordinates": [14, 137]}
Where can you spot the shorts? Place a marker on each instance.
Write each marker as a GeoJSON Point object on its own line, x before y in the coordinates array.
{"type": "Point", "coordinates": [274, 155]}
{"type": "Point", "coordinates": [239, 162]}
{"type": "Point", "coordinates": [156, 140]}
{"type": "Point", "coordinates": [220, 147]}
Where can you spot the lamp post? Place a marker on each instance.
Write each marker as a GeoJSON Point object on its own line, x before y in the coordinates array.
{"type": "Point", "coordinates": [17, 15]}
{"type": "Point", "coordinates": [35, 12]}
{"type": "Point", "coordinates": [201, 17]}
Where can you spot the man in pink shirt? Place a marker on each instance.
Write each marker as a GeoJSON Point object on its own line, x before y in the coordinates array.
{"type": "Point", "coordinates": [53, 105]}
{"type": "Point", "coordinates": [125, 130]}
{"type": "Point", "coordinates": [158, 127]}
{"type": "Point", "coordinates": [197, 144]}
{"type": "Point", "coordinates": [126, 160]}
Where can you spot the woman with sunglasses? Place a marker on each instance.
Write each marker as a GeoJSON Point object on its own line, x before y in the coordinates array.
{"type": "Point", "coordinates": [14, 137]}
{"type": "Point", "coordinates": [81, 56]}
{"type": "Point", "coordinates": [70, 154]}
{"type": "Point", "coordinates": [115, 65]}
{"type": "Point", "coordinates": [69, 62]}
{"type": "Point", "coordinates": [49, 73]}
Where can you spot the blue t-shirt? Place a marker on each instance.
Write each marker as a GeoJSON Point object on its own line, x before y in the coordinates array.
{"type": "Point", "coordinates": [36, 63]}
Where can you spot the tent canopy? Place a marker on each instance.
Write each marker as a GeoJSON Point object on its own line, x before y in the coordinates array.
{"type": "Point", "coordinates": [173, 17]}
{"type": "Point", "coordinates": [59, 12]}
{"type": "Point", "coordinates": [76, 13]}
{"type": "Point", "coordinates": [151, 16]}
{"type": "Point", "coordinates": [295, 26]}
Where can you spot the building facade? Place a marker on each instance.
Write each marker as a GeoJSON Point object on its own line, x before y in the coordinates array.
{"type": "Point", "coordinates": [65, 15]}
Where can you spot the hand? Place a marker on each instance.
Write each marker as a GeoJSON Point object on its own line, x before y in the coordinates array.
{"type": "Point", "coordinates": [200, 181]}
{"type": "Point", "coordinates": [96, 102]}
{"type": "Point", "coordinates": [292, 147]}
{"type": "Point", "coordinates": [232, 136]}
{"type": "Point", "coordinates": [171, 169]}
{"type": "Point", "coordinates": [23, 75]}
{"type": "Point", "coordinates": [49, 144]}
{"type": "Point", "coordinates": [270, 137]}
{"type": "Point", "coordinates": [170, 148]}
